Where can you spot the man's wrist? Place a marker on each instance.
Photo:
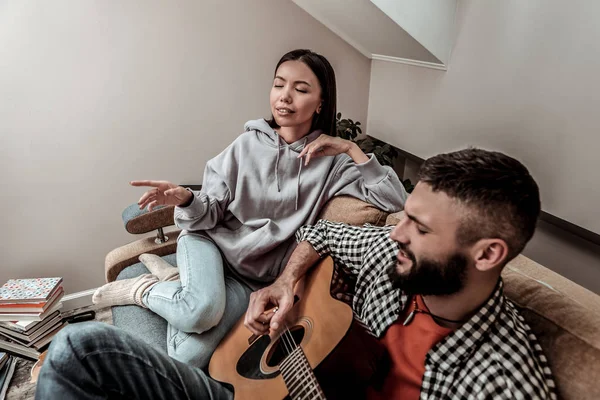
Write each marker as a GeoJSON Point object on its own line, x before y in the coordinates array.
{"type": "Point", "coordinates": [286, 280]}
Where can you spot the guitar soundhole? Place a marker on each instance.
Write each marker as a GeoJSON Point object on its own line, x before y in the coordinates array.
{"type": "Point", "coordinates": [283, 346]}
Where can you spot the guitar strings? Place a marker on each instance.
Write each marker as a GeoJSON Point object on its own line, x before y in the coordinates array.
{"type": "Point", "coordinates": [305, 373]}
{"type": "Point", "coordinates": [288, 342]}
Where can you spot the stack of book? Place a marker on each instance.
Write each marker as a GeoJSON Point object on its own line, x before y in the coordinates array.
{"type": "Point", "coordinates": [30, 315]}
{"type": "Point", "coordinates": [7, 369]}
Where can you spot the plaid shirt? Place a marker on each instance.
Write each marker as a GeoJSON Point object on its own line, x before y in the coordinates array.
{"type": "Point", "coordinates": [494, 355]}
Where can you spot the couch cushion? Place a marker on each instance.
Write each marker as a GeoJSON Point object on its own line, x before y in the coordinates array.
{"type": "Point", "coordinates": [141, 322]}
{"type": "Point", "coordinates": [352, 211]}
{"type": "Point", "coordinates": [394, 218]}
{"type": "Point", "coordinates": [566, 320]}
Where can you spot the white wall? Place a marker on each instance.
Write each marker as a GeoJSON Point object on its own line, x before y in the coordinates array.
{"type": "Point", "coordinates": [94, 94]}
{"type": "Point", "coordinates": [430, 22]}
{"type": "Point", "coordinates": [367, 28]}
{"type": "Point", "coordinates": [523, 79]}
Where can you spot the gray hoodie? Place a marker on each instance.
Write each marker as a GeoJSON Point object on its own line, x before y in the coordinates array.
{"type": "Point", "coordinates": [257, 193]}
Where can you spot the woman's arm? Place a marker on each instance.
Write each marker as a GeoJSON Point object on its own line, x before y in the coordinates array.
{"type": "Point", "coordinates": [357, 174]}
{"type": "Point", "coordinates": [369, 181]}
{"type": "Point", "coordinates": [207, 207]}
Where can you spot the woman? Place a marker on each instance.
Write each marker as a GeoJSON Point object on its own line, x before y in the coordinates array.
{"type": "Point", "coordinates": [238, 231]}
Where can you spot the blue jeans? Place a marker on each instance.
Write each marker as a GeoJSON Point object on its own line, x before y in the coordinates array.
{"type": "Point", "coordinates": [93, 360]}
{"type": "Point", "coordinates": [200, 308]}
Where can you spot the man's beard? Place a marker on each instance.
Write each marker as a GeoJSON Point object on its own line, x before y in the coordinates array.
{"type": "Point", "coordinates": [432, 278]}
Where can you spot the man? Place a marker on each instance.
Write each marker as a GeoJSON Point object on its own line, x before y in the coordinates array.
{"type": "Point", "coordinates": [439, 309]}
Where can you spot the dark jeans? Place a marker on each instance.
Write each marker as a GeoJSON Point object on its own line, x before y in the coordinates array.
{"type": "Point", "coordinates": [94, 360]}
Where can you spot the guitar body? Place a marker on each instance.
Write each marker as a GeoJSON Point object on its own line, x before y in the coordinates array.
{"type": "Point", "coordinates": [317, 322]}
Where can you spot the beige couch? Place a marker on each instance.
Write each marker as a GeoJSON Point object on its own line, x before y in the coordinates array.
{"type": "Point", "coordinates": [564, 316]}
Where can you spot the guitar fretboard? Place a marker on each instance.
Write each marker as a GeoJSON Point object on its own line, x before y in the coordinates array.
{"type": "Point", "coordinates": [299, 377]}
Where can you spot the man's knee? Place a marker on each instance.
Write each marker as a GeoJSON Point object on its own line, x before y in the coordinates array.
{"type": "Point", "coordinates": [72, 339]}
{"type": "Point", "coordinates": [60, 349]}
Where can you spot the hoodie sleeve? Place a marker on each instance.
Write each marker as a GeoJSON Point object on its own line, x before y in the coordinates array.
{"type": "Point", "coordinates": [208, 205]}
{"type": "Point", "coordinates": [370, 182]}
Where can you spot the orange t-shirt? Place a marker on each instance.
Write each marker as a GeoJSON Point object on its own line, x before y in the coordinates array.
{"type": "Point", "coordinates": [407, 347]}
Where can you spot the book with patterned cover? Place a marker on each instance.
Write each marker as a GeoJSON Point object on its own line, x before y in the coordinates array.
{"type": "Point", "coordinates": [28, 290]}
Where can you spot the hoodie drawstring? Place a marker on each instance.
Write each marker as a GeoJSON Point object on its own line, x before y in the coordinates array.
{"type": "Point", "coordinates": [277, 162]}
{"type": "Point", "coordinates": [298, 179]}
{"type": "Point", "coordinates": [301, 161]}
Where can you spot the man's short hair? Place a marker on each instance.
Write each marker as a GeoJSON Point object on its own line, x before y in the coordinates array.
{"type": "Point", "coordinates": [502, 199]}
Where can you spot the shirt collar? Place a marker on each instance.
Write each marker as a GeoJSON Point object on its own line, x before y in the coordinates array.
{"type": "Point", "coordinates": [459, 345]}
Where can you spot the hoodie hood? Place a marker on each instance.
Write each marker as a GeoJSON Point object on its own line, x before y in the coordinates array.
{"type": "Point", "coordinates": [272, 138]}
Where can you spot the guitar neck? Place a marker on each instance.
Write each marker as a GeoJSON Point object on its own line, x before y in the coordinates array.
{"type": "Point", "coordinates": [299, 377]}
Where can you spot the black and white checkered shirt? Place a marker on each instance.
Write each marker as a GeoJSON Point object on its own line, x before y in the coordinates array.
{"type": "Point", "coordinates": [494, 355]}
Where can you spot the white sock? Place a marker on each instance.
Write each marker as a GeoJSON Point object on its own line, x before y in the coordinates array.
{"type": "Point", "coordinates": [159, 267]}
{"type": "Point", "coordinates": [123, 292]}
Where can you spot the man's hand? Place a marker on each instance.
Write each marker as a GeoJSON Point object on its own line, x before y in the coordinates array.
{"type": "Point", "coordinates": [259, 320]}
{"type": "Point", "coordinates": [280, 294]}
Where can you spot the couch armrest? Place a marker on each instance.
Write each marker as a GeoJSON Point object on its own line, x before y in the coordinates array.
{"type": "Point", "coordinates": [124, 256]}
{"type": "Point", "coordinates": [565, 317]}
{"type": "Point", "coordinates": [138, 221]}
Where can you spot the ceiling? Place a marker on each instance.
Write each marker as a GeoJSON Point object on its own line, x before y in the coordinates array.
{"type": "Point", "coordinates": [418, 32]}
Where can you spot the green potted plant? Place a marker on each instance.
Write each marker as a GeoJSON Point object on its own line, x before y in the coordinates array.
{"type": "Point", "coordinates": [384, 152]}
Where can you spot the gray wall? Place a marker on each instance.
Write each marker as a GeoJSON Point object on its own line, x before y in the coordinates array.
{"type": "Point", "coordinates": [523, 79]}
{"type": "Point", "coordinates": [566, 254]}
{"type": "Point", "coordinates": [94, 94]}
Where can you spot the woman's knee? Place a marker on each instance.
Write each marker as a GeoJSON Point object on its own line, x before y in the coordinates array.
{"type": "Point", "coordinates": [197, 249]}
{"type": "Point", "coordinates": [189, 348]}
{"type": "Point", "coordinates": [203, 313]}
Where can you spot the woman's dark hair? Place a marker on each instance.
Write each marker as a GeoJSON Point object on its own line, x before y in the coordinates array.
{"type": "Point", "coordinates": [319, 65]}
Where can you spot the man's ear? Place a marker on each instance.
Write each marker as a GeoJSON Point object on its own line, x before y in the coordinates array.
{"type": "Point", "coordinates": [489, 254]}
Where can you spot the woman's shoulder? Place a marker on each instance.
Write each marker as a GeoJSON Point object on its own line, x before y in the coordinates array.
{"type": "Point", "coordinates": [242, 139]}
{"type": "Point", "coordinates": [243, 145]}
{"type": "Point", "coordinates": [245, 141]}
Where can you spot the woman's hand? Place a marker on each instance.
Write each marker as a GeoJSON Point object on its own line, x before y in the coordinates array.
{"type": "Point", "coordinates": [163, 193]}
{"type": "Point", "coordinates": [326, 145]}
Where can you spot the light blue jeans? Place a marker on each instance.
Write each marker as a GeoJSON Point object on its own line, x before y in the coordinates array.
{"type": "Point", "coordinates": [203, 306]}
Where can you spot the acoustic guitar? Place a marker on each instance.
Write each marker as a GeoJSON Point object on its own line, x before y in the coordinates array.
{"type": "Point", "coordinates": [282, 363]}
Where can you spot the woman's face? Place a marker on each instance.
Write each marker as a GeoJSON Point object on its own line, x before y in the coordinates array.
{"type": "Point", "coordinates": [295, 95]}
